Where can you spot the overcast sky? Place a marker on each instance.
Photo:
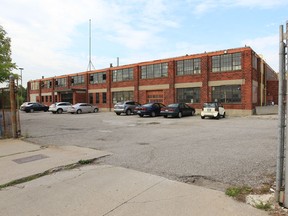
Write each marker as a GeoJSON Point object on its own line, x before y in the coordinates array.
{"type": "Point", "coordinates": [51, 37]}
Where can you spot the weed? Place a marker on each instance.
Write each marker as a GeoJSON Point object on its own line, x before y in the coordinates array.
{"type": "Point", "coordinates": [83, 162]}
{"type": "Point", "coordinates": [264, 206]}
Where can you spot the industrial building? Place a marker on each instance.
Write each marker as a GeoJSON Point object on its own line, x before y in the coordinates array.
{"type": "Point", "coordinates": [238, 78]}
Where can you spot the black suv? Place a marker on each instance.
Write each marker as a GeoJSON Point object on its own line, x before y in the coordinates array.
{"type": "Point", "coordinates": [125, 107]}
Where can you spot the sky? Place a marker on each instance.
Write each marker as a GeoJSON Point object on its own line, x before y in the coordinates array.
{"type": "Point", "coordinates": [51, 37]}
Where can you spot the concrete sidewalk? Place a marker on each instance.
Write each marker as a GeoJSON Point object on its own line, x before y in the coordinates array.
{"type": "Point", "coordinates": [99, 189]}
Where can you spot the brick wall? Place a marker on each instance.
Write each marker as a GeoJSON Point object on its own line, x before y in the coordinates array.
{"type": "Point", "coordinates": [272, 91]}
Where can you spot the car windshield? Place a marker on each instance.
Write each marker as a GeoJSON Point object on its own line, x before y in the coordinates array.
{"type": "Point", "coordinates": [148, 105]}
{"type": "Point", "coordinates": [173, 105]}
{"type": "Point", "coordinates": [209, 105]}
{"type": "Point", "coordinates": [120, 103]}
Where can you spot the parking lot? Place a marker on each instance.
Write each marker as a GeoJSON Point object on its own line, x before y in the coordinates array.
{"type": "Point", "coordinates": [211, 153]}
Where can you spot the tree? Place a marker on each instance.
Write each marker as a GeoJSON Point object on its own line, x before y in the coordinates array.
{"type": "Point", "coordinates": [6, 65]}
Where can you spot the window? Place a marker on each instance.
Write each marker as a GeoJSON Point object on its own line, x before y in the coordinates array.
{"type": "Point", "coordinates": [46, 84]}
{"type": "Point", "coordinates": [34, 85]}
{"type": "Point", "coordinates": [61, 82]}
{"type": "Point", "coordinates": [226, 94]}
{"type": "Point", "coordinates": [188, 66]}
{"type": "Point", "coordinates": [104, 97]}
{"type": "Point", "coordinates": [97, 98]}
{"type": "Point", "coordinates": [254, 62]}
{"type": "Point", "coordinates": [122, 75]}
{"type": "Point", "coordinates": [90, 98]}
{"type": "Point", "coordinates": [77, 80]}
{"type": "Point", "coordinates": [97, 78]}
{"type": "Point", "coordinates": [226, 62]}
{"type": "Point", "coordinates": [154, 71]}
{"type": "Point", "coordinates": [122, 96]}
{"type": "Point", "coordinates": [188, 95]}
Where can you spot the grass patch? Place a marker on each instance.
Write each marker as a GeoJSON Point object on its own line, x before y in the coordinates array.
{"type": "Point", "coordinates": [239, 193]}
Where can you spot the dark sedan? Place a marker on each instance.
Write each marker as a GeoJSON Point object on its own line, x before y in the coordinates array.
{"type": "Point", "coordinates": [33, 106]}
{"type": "Point", "coordinates": [151, 109]}
{"type": "Point", "coordinates": [177, 110]}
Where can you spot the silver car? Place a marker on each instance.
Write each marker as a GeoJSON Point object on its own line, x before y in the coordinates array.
{"type": "Point", "coordinates": [126, 107]}
{"type": "Point", "coordinates": [82, 108]}
{"type": "Point", "coordinates": [59, 107]}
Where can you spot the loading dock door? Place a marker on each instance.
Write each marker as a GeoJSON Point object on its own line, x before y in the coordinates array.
{"type": "Point", "coordinates": [67, 97]}
{"type": "Point", "coordinates": [155, 96]}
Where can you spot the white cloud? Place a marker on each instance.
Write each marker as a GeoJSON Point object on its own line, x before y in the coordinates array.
{"type": "Point", "coordinates": [42, 31]}
{"type": "Point", "coordinates": [204, 6]}
{"type": "Point", "coordinates": [268, 47]}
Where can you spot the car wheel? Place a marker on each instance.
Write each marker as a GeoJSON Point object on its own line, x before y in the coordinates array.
{"type": "Point", "coordinates": [95, 110]}
{"type": "Point", "coordinates": [59, 111]}
{"type": "Point", "coordinates": [218, 116]}
{"type": "Point", "coordinates": [180, 115]}
{"type": "Point", "coordinates": [202, 117]}
{"type": "Point", "coordinates": [118, 113]}
{"type": "Point", "coordinates": [165, 116]}
{"type": "Point", "coordinates": [224, 115]}
{"type": "Point", "coordinates": [153, 114]}
{"type": "Point", "coordinates": [128, 112]}
{"type": "Point", "coordinates": [79, 111]}
{"type": "Point", "coordinates": [31, 110]}
{"type": "Point", "coordinates": [141, 115]}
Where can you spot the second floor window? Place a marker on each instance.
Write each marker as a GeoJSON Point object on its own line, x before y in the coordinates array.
{"type": "Point", "coordinates": [77, 80]}
{"type": "Point", "coordinates": [122, 75]}
{"type": "Point", "coordinates": [154, 71]}
{"type": "Point", "coordinates": [61, 82]}
{"type": "Point", "coordinates": [188, 66]}
{"type": "Point", "coordinates": [226, 62]}
{"type": "Point", "coordinates": [97, 78]}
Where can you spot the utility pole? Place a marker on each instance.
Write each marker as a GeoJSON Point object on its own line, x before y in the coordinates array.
{"type": "Point", "coordinates": [13, 106]}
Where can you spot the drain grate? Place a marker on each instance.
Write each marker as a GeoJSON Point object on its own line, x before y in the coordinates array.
{"type": "Point", "coordinates": [30, 158]}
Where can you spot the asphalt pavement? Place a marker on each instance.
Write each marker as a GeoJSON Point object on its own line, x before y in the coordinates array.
{"type": "Point", "coordinates": [97, 189]}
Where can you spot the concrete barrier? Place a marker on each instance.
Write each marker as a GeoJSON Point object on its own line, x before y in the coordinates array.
{"type": "Point", "coordinates": [266, 110]}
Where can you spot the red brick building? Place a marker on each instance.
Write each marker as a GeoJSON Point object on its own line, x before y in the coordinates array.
{"type": "Point", "coordinates": [238, 78]}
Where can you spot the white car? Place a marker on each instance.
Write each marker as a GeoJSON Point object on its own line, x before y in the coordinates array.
{"type": "Point", "coordinates": [212, 110]}
{"type": "Point", "coordinates": [82, 108]}
{"type": "Point", "coordinates": [59, 107]}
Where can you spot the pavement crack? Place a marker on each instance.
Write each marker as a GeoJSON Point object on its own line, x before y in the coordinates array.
{"type": "Point", "coordinates": [134, 197]}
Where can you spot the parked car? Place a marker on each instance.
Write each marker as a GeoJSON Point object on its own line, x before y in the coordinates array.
{"type": "Point", "coordinates": [127, 107]}
{"type": "Point", "coordinates": [33, 106]}
{"type": "Point", "coordinates": [212, 110]}
{"type": "Point", "coordinates": [82, 108]}
{"type": "Point", "coordinates": [177, 110]}
{"type": "Point", "coordinates": [59, 107]}
{"type": "Point", "coordinates": [151, 109]}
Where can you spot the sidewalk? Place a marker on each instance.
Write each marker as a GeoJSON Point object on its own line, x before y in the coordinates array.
{"type": "Point", "coordinates": [99, 189]}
